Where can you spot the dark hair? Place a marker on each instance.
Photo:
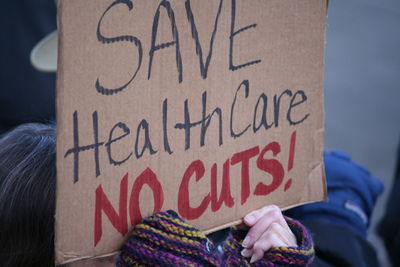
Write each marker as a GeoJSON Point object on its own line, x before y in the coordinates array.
{"type": "Point", "coordinates": [27, 196]}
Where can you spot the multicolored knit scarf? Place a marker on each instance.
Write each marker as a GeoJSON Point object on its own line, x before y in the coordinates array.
{"type": "Point", "coordinates": [164, 239]}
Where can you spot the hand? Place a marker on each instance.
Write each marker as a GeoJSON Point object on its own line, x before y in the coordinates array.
{"type": "Point", "coordinates": [268, 229]}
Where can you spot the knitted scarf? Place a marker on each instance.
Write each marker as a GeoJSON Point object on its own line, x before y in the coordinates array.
{"type": "Point", "coordinates": [164, 239]}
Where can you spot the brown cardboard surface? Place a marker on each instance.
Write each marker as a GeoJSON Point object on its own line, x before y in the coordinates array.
{"type": "Point", "coordinates": [149, 119]}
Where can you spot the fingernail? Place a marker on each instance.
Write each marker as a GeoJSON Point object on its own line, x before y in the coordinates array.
{"type": "Point", "coordinates": [253, 259]}
{"type": "Point", "coordinates": [251, 218]}
{"type": "Point", "coordinates": [246, 242]}
{"type": "Point", "coordinates": [246, 253]}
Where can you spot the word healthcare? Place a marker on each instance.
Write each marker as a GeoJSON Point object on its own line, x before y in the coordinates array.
{"type": "Point", "coordinates": [261, 120]}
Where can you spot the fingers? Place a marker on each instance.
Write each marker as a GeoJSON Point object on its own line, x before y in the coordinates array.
{"type": "Point", "coordinates": [252, 218]}
{"type": "Point", "coordinates": [260, 220]}
{"type": "Point", "coordinates": [268, 240]}
{"type": "Point", "coordinates": [268, 229]}
{"type": "Point", "coordinates": [287, 237]}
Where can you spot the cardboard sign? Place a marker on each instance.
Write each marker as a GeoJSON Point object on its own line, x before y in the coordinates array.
{"type": "Point", "coordinates": [210, 108]}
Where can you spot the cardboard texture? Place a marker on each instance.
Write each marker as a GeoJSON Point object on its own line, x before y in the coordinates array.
{"type": "Point", "coordinates": [210, 108]}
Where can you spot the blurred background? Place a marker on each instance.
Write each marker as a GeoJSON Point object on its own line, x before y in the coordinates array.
{"type": "Point", "coordinates": [26, 94]}
{"type": "Point", "coordinates": [362, 80]}
{"type": "Point", "coordinates": [362, 89]}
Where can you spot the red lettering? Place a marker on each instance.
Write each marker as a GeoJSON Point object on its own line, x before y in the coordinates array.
{"type": "Point", "coordinates": [119, 221]}
{"type": "Point", "coordinates": [196, 169]}
{"type": "Point", "coordinates": [225, 196]}
{"type": "Point", "coordinates": [271, 166]}
{"type": "Point", "coordinates": [150, 178]}
{"type": "Point", "coordinates": [292, 150]}
{"type": "Point", "coordinates": [244, 157]}
{"type": "Point", "coordinates": [184, 208]}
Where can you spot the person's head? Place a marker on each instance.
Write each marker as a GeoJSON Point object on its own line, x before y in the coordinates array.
{"type": "Point", "coordinates": [27, 195]}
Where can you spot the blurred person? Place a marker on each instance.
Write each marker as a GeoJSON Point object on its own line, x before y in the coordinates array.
{"type": "Point", "coordinates": [27, 208]}
{"type": "Point", "coordinates": [26, 95]}
{"type": "Point", "coordinates": [27, 196]}
{"type": "Point", "coordinates": [389, 227]}
{"type": "Point", "coordinates": [340, 225]}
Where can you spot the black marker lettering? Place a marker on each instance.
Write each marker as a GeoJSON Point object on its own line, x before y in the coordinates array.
{"type": "Point", "coordinates": [165, 127]}
{"type": "Point", "coordinates": [106, 40]}
{"type": "Point", "coordinates": [165, 4]}
{"type": "Point", "coordinates": [195, 36]}
{"type": "Point", "coordinates": [112, 140]}
{"type": "Point", "coordinates": [77, 149]}
{"type": "Point", "coordinates": [277, 105]}
{"type": "Point", "coordinates": [246, 85]}
{"type": "Point", "coordinates": [147, 143]}
{"type": "Point", "coordinates": [187, 125]}
{"type": "Point", "coordinates": [206, 120]}
{"type": "Point", "coordinates": [292, 105]}
{"type": "Point", "coordinates": [232, 67]}
{"type": "Point", "coordinates": [263, 121]}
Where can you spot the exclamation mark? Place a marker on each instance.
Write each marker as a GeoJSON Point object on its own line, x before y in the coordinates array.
{"type": "Point", "coordinates": [291, 158]}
